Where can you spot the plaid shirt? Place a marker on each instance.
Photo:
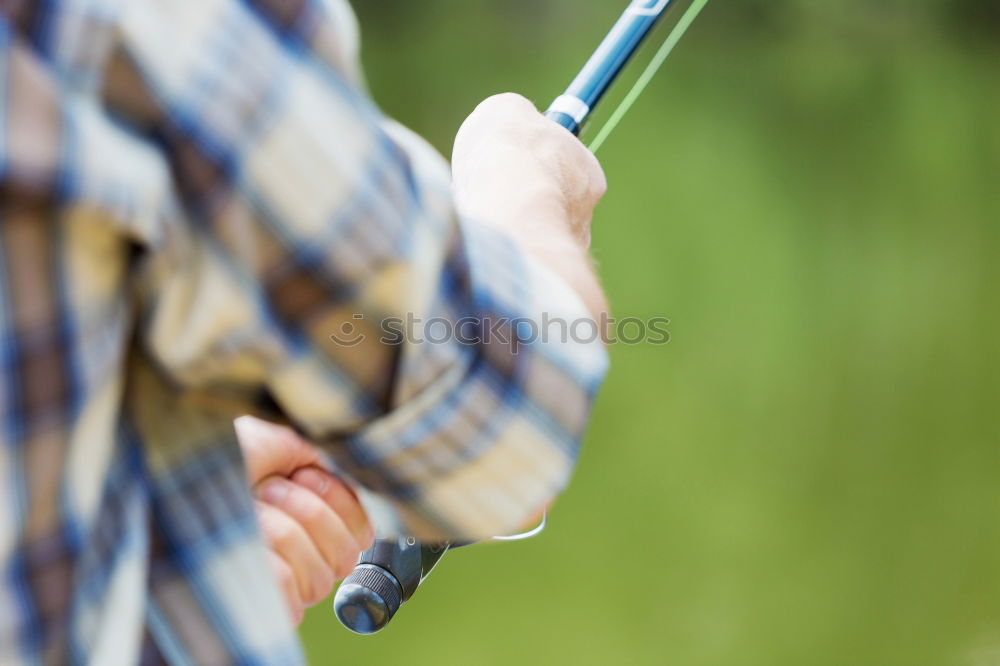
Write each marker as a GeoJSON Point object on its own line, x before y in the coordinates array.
{"type": "Point", "coordinates": [196, 200]}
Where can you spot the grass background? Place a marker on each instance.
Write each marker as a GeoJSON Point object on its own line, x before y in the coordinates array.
{"type": "Point", "coordinates": [809, 473]}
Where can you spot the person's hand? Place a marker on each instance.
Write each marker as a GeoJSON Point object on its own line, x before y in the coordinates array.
{"type": "Point", "coordinates": [515, 169]}
{"type": "Point", "coordinates": [312, 523]}
{"type": "Point", "coordinates": [513, 166]}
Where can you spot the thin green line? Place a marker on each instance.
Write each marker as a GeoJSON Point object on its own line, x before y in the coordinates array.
{"type": "Point", "coordinates": [647, 76]}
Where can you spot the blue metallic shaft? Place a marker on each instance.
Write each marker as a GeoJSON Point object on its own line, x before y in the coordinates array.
{"type": "Point", "coordinates": [573, 107]}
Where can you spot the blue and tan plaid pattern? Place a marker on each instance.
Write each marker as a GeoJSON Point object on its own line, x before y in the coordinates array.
{"type": "Point", "coordinates": [194, 196]}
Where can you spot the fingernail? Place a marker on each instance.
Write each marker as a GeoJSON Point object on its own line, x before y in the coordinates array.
{"type": "Point", "coordinates": [273, 492]}
{"type": "Point", "coordinates": [314, 480]}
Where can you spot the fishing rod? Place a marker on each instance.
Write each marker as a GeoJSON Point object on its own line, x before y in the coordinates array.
{"type": "Point", "coordinates": [388, 573]}
{"type": "Point", "coordinates": [572, 108]}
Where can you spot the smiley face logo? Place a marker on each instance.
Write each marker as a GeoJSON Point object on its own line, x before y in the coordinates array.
{"type": "Point", "coordinates": [349, 334]}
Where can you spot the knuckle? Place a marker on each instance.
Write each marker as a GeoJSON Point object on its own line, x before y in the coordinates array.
{"type": "Point", "coordinates": [599, 177]}
{"type": "Point", "coordinates": [316, 480]}
{"type": "Point", "coordinates": [599, 186]}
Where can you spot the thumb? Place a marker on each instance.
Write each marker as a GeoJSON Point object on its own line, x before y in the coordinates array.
{"type": "Point", "coordinates": [270, 449]}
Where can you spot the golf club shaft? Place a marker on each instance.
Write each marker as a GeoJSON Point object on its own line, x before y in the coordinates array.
{"type": "Point", "coordinates": [572, 108]}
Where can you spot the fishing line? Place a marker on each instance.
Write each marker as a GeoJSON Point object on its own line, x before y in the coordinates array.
{"type": "Point", "coordinates": [650, 72]}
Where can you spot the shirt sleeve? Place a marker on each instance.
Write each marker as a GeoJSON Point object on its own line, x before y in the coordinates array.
{"type": "Point", "coordinates": [316, 259]}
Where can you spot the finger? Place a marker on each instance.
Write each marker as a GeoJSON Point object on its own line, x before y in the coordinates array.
{"type": "Point", "coordinates": [341, 499]}
{"type": "Point", "coordinates": [327, 530]}
{"type": "Point", "coordinates": [313, 576]}
{"type": "Point", "coordinates": [286, 582]}
{"type": "Point", "coordinates": [271, 449]}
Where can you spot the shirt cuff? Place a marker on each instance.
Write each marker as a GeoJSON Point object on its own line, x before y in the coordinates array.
{"type": "Point", "coordinates": [492, 439]}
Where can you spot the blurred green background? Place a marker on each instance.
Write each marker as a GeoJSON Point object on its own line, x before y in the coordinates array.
{"type": "Point", "coordinates": [809, 473]}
